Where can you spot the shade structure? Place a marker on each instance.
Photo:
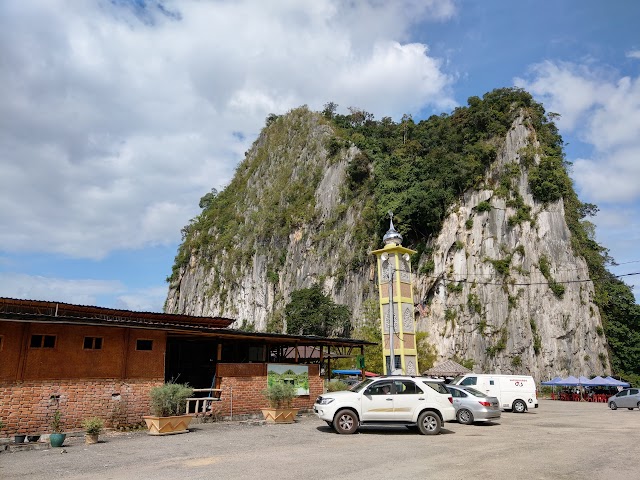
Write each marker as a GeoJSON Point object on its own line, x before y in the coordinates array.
{"type": "Point", "coordinates": [599, 382]}
{"type": "Point", "coordinates": [570, 381]}
{"type": "Point", "coordinates": [553, 382]}
{"type": "Point", "coordinates": [448, 368]}
{"type": "Point", "coordinates": [616, 383]}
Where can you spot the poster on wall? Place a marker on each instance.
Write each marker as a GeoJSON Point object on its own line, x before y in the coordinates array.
{"type": "Point", "coordinates": [297, 375]}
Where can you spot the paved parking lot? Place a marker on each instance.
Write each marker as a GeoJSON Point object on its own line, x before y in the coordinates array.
{"type": "Point", "coordinates": [558, 440]}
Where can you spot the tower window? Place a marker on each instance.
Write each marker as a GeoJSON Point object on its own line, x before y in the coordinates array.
{"type": "Point", "coordinates": [43, 341]}
{"type": "Point", "coordinates": [92, 343]}
{"type": "Point", "coordinates": [144, 345]}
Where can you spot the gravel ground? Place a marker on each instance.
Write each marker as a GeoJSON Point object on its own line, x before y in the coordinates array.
{"type": "Point", "coordinates": [563, 440]}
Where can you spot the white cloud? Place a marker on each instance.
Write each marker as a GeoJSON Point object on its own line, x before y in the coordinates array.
{"type": "Point", "coordinates": [613, 178]}
{"type": "Point", "coordinates": [604, 111]}
{"type": "Point", "coordinates": [633, 54]}
{"type": "Point", "coordinates": [564, 88]}
{"type": "Point", "coordinates": [113, 127]}
{"type": "Point", "coordinates": [80, 292]}
{"type": "Point", "coordinates": [143, 300]}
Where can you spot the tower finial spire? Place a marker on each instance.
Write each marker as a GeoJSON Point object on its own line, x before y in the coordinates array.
{"type": "Point", "coordinates": [392, 235]}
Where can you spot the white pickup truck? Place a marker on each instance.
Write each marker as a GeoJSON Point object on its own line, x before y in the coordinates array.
{"type": "Point", "coordinates": [392, 400]}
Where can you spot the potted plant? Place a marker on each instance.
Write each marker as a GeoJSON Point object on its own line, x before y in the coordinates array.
{"type": "Point", "coordinates": [56, 438]}
{"type": "Point", "coordinates": [168, 406]}
{"type": "Point", "coordinates": [92, 427]}
{"type": "Point", "coordinates": [280, 395]}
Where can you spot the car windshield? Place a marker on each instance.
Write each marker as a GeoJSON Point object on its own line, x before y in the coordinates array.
{"type": "Point", "coordinates": [456, 380]}
{"type": "Point", "coordinates": [474, 392]}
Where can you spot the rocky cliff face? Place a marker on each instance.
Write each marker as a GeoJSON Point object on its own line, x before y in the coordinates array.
{"type": "Point", "coordinates": [490, 289]}
{"type": "Point", "coordinates": [256, 291]}
{"type": "Point", "coordinates": [488, 298]}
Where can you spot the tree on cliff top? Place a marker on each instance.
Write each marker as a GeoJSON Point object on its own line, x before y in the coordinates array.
{"type": "Point", "coordinates": [311, 312]}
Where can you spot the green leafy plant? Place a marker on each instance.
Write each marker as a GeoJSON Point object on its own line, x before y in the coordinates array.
{"type": "Point", "coordinates": [537, 339]}
{"type": "Point", "coordinates": [169, 399]}
{"type": "Point", "coordinates": [56, 422]}
{"type": "Point", "coordinates": [473, 303]}
{"type": "Point", "coordinates": [337, 386]}
{"type": "Point", "coordinates": [427, 267]}
{"type": "Point", "coordinates": [93, 425]}
{"type": "Point", "coordinates": [483, 206]}
{"type": "Point", "coordinates": [556, 288]}
{"type": "Point", "coordinates": [280, 394]}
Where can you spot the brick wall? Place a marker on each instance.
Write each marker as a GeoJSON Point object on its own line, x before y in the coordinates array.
{"type": "Point", "coordinates": [27, 407]}
{"type": "Point", "coordinates": [246, 395]}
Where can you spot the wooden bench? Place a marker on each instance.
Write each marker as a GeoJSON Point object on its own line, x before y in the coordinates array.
{"type": "Point", "coordinates": [203, 403]}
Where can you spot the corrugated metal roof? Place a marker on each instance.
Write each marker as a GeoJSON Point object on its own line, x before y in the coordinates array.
{"type": "Point", "coordinates": [64, 313]}
{"type": "Point", "coordinates": [448, 368]}
{"type": "Point", "coordinates": [59, 309]}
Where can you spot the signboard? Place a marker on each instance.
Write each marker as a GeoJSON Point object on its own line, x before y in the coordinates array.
{"type": "Point", "coordinates": [297, 375]}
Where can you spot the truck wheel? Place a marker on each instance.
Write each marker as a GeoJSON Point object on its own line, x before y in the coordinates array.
{"type": "Point", "coordinates": [519, 406]}
{"type": "Point", "coordinates": [613, 406]}
{"type": "Point", "coordinates": [345, 422]}
{"type": "Point", "coordinates": [465, 417]}
{"type": "Point", "coordinates": [429, 423]}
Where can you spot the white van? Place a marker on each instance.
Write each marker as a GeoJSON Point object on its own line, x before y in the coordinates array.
{"type": "Point", "coordinates": [515, 392]}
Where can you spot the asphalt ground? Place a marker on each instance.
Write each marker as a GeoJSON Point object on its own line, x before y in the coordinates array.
{"type": "Point", "coordinates": [559, 440]}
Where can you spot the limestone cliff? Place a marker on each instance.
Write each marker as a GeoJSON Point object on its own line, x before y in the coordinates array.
{"type": "Point", "coordinates": [500, 283]}
{"type": "Point", "coordinates": [491, 301]}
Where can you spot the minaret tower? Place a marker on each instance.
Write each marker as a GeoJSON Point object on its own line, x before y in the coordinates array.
{"type": "Point", "coordinates": [396, 305]}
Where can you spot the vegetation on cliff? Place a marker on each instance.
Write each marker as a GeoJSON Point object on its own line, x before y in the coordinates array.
{"type": "Point", "coordinates": [419, 170]}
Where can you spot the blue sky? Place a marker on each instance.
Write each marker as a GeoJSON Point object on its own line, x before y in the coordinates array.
{"type": "Point", "coordinates": [117, 116]}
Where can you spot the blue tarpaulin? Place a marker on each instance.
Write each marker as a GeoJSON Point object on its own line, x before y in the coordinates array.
{"type": "Point", "coordinates": [353, 372]}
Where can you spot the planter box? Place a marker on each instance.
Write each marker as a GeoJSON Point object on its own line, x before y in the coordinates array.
{"type": "Point", "coordinates": [167, 425]}
{"type": "Point", "coordinates": [57, 439]}
{"type": "Point", "coordinates": [279, 415]}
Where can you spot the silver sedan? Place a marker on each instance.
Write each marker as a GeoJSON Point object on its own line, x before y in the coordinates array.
{"type": "Point", "coordinates": [473, 406]}
{"type": "Point", "coordinates": [627, 398]}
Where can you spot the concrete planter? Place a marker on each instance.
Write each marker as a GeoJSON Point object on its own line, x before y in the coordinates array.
{"type": "Point", "coordinates": [279, 415]}
{"type": "Point", "coordinates": [91, 438]}
{"type": "Point", "coordinates": [167, 425]}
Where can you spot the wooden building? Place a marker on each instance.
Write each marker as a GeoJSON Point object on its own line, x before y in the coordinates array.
{"type": "Point", "coordinates": [91, 361]}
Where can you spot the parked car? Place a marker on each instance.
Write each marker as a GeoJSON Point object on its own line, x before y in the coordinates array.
{"type": "Point", "coordinates": [627, 398]}
{"type": "Point", "coordinates": [397, 400]}
{"type": "Point", "coordinates": [514, 392]}
{"type": "Point", "coordinates": [472, 405]}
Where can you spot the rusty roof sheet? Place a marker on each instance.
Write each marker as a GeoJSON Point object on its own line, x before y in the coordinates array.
{"type": "Point", "coordinates": [56, 312]}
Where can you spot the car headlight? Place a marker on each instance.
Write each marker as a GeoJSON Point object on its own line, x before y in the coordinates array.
{"type": "Point", "coordinates": [324, 401]}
